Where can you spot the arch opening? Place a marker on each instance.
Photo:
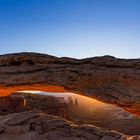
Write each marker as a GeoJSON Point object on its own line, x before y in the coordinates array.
{"type": "Point", "coordinates": [6, 90]}
{"type": "Point", "coordinates": [76, 108]}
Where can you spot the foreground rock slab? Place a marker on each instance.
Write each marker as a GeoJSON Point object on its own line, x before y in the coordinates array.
{"type": "Point", "coordinates": [35, 125]}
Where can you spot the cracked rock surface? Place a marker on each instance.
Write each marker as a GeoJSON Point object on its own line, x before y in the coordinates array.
{"type": "Point", "coordinates": [35, 125]}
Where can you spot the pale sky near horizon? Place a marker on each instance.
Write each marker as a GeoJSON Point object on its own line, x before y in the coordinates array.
{"type": "Point", "coordinates": [72, 28]}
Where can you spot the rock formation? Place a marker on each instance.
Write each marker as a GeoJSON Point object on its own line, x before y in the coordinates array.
{"type": "Point", "coordinates": [106, 78]}
{"type": "Point", "coordinates": [11, 104]}
{"type": "Point", "coordinates": [34, 125]}
{"type": "Point", "coordinates": [19, 102]}
{"type": "Point", "coordinates": [49, 104]}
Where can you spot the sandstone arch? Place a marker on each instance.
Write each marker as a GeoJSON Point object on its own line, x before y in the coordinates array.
{"type": "Point", "coordinates": [106, 78]}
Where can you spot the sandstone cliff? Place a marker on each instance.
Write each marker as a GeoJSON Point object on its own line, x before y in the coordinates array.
{"type": "Point", "coordinates": [105, 78]}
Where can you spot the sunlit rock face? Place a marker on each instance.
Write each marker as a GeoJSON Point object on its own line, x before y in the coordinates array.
{"type": "Point", "coordinates": [105, 78]}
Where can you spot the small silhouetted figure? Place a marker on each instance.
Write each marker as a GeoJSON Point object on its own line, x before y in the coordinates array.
{"type": "Point", "coordinates": [32, 126]}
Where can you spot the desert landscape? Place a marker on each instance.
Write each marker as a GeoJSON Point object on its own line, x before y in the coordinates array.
{"type": "Point", "coordinates": [69, 69]}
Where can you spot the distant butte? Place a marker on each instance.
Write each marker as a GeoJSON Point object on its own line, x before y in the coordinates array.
{"type": "Point", "coordinates": [106, 78]}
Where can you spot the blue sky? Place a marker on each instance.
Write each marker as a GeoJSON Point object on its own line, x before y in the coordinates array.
{"type": "Point", "coordinates": [74, 28]}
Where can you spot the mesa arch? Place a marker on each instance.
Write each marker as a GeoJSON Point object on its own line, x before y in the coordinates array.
{"type": "Point", "coordinates": [106, 78]}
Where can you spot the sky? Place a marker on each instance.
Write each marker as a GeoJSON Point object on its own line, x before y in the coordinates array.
{"type": "Point", "coordinates": [72, 28]}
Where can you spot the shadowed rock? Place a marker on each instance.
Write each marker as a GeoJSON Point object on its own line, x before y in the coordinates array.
{"type": "Point", "coordinates": [17, 127]}
{"type": "Point", "coordinates": [11, 104]}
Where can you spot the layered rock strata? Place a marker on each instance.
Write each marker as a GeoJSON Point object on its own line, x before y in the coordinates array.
{"type": "Point", "coordinates": [34, 125]}
{"type": "Point", "coordinates": [106, 78]}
